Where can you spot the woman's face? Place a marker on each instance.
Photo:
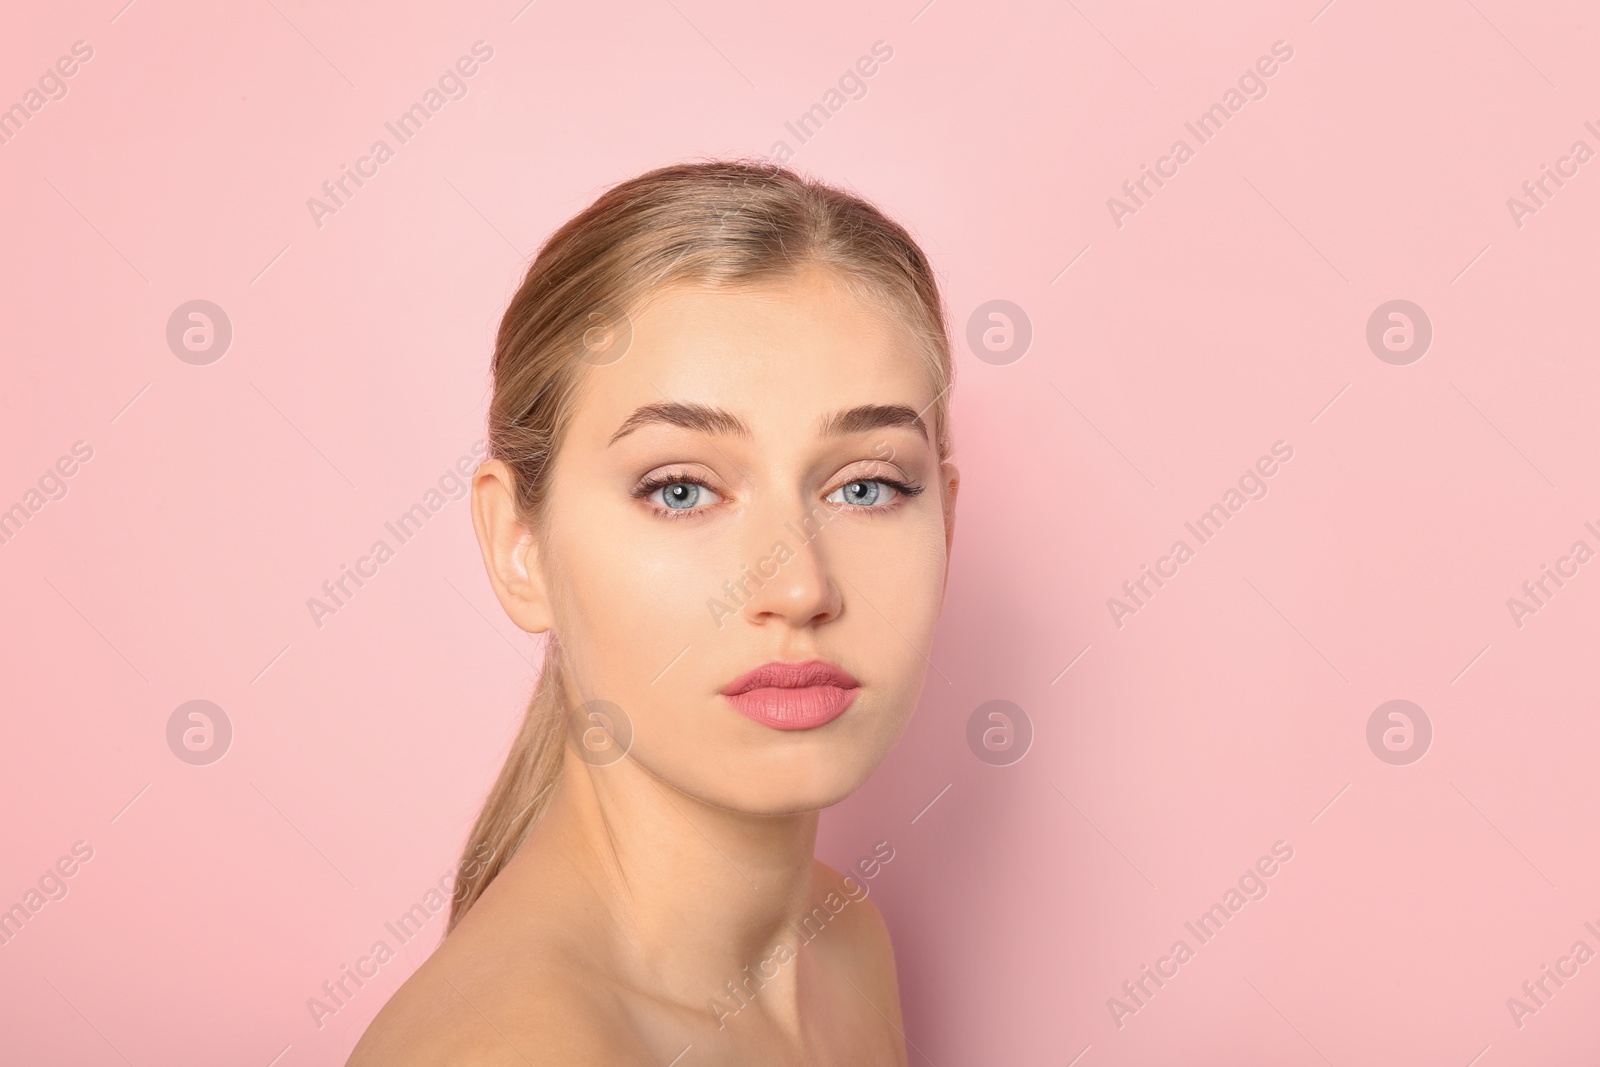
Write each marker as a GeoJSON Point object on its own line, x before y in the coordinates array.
{"type": "Point", "coordinates": [755, 480]}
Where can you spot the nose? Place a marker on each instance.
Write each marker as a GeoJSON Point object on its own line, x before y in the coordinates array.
{"type": "Point", "coordinates": [793, 579]}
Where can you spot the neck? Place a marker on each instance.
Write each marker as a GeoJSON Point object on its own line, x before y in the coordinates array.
{"type": "Point", "coordinates": [695, 893]}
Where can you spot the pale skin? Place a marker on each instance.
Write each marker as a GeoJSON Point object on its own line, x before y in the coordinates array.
{"type": "Point", "coordinates": [653, 880]}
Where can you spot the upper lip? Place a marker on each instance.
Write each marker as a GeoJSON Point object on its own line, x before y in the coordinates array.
{"type": "Point", "coordinates": [783, 675]}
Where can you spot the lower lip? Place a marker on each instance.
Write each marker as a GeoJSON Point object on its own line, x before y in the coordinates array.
{"type": "Point", "coordinates": [794, 709]}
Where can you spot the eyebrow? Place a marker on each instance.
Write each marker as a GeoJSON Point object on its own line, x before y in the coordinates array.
{"type": "Point", "coordinates": [702, 418]}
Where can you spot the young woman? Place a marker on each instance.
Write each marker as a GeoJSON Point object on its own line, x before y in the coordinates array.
{"type": "Point", "coordinates": [718, 479]}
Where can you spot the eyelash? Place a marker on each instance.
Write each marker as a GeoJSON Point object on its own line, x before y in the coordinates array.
{"type": "Point", "coordinates": [905, 491]}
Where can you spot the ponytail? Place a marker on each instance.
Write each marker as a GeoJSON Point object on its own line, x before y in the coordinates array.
{"type": "Point", "coordinates": [525, 787]}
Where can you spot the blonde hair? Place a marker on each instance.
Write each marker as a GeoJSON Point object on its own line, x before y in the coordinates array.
{"type": "Point", "coordinates": [722, 223]}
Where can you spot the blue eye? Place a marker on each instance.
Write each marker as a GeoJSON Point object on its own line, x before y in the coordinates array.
{"type": "Point", "coordinates": [863, 492]}
{"type": "Point", "coordinates": [678, 496]}
{"type": "Point", "coordinates": [686, 496]}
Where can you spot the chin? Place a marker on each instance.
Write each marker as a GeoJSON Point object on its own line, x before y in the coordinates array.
{"type": "Point", "coordinates": [742, 766]}
{"type": "Point", "coordinates": [811, 781]}
{"type": "Point", "coordinates": [789, 787]}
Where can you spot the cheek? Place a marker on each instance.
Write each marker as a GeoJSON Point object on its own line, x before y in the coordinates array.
{"type": "Point", "coordinates": [896, 576]}
{"type": "Point", "coordinates": [633, 597]}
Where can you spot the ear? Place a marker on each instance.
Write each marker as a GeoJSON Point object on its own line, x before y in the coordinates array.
{"type": "Point", "coordinates": [510, 549]}
{"type": "Point", "coordinates": [950, 479]}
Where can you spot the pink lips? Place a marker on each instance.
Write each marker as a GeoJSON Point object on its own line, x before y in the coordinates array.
{"type": "Point", "coordinates": [793, 696]}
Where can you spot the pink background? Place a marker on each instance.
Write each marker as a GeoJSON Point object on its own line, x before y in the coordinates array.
{"type": "Point", "coordinates": [1228, 313]}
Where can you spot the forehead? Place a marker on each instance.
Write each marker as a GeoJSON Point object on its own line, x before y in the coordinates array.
{"type": "Point", "coordinates": [778, 354]}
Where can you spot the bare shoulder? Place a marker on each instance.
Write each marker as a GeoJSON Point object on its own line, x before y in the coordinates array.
{"type": "Point", "coordinates": [865, 917]}
{"type": "Point", "coordinates": [485, 1000]}
{"type": "Point", "coordinates": [868, 952]}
